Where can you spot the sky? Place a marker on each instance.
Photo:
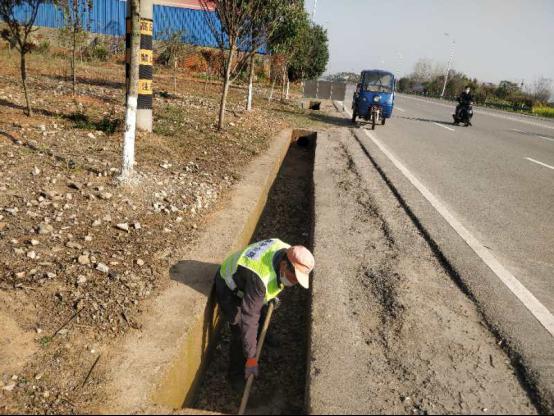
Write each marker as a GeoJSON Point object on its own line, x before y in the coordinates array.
{"type": "Point", "coordinates": [494, 40]}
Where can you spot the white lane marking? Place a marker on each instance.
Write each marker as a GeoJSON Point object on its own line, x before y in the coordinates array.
{"type": "Point", "coordinates": [537, 135]}
{"type": "Point", "coordinates": [540, 163]}
{"type": "Point", "coordinates": [442, 125]}
{"type": "Point", "coordinates": [400, 109]}
{"type": "Point", "coordinates": [539, 311]}
{"type": "Point", "coordinates": [532, 123]}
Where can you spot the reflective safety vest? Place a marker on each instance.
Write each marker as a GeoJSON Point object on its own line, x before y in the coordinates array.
{"type": "Point", "coordinates": [257, 258]}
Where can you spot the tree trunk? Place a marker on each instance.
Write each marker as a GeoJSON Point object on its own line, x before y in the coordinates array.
{"type": "Point", "coordinates": [250, 85]}
{"type": "Point", "coordinates": [226, 83]}
{"type": "Point", "coordinates": [132, 94]}
{"type": "Point", "coordinates": [23, 66]}
{"type": "Point", "coordinates": [73, 51]}
{"type": "Point", "coordinates": [272, 88]}
{"type": "Point", "coordinates": [208, 76]}
{"type": "Point", "coordinates": [175, 76]}
{"type": "Point", "coordinates": [283, 82]}
{"type": "Point", "coordinates": [288, 88]}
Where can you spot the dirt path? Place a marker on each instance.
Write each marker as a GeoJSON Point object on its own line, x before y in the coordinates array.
{"type": "Point", "coordinates": [280, 387]}
{"type": "Point", "coordinates": [392, 332]}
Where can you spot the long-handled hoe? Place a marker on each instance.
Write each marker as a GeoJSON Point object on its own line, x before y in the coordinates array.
{"type": "Point", "coordinates": [261, 339]}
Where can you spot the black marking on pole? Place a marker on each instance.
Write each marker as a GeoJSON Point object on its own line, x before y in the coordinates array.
{"type": "Point", "coordinates": [145, 72]}
{"type": "Point", "coordinates": [146, 42]}
{"type": "Point", "coordinates": [145, 102]}
{"type": "Point", "coordinates": [145, 96]}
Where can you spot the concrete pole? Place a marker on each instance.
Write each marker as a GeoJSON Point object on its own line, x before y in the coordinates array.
{"type": "Point", "coordinates": [448, 68]}
{"type": "Point", "coordinates": [132, 70]}
{"type": "Point", "coordinates": [250, 83]}
{"type": "Point", "coordinates": [145, 96]}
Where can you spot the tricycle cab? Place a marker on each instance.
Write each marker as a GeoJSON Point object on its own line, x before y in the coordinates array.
{"type": "Point", "coordinates": [374, 94]}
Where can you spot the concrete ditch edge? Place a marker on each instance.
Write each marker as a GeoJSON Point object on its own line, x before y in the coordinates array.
{"type": "Point", "coordinates": [157, 369]}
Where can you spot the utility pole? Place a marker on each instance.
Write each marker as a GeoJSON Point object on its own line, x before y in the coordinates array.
{"type": "Point", "coordinates": [132, 66]}
{"type": "Point", "coordinates": [450, 60]}
{"type": "Point", "coordinates": [314, 10]}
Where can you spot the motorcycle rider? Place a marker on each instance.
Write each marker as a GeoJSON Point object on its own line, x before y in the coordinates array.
{"type": "Point", "coordinates": [465, 99]}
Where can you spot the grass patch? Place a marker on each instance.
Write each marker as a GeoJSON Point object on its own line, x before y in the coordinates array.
{"type": "Point", "coordinates": [45, 341]}
{"type": "Point", "coordinates": [169, 120]}
{"type": "Point", "coordinates": [108, 125]}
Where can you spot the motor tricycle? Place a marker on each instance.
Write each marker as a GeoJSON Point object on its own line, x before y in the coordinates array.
{"type": "Point", "coordinates": [374, 97]}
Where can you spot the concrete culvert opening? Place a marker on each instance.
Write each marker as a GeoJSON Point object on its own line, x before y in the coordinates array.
{"type": "Point", "coordinates": [315, 105]}
{"type": "Point", "coordinates": [280, 389]}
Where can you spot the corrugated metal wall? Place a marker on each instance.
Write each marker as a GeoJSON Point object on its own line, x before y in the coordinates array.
{"type": "Point", "coordinates": [108, 17]}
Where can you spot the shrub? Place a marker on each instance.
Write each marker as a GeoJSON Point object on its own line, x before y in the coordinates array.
{"type": "Point", "coordinates": [43, 47]}
{"type": "Point", "coordinates": [108, 124]}
{"type": "Point", "coordinates": [97, 50]}
{"type": "Point", "coordinates": [544, 111]}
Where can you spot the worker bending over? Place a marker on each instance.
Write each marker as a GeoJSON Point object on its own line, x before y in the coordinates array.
{"type": "Point", "coordinates": [245, 283]}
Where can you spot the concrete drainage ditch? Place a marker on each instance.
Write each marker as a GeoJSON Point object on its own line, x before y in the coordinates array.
{"type": "Point", "coordinates": [274, 200]}
{"type": "Point", "coordinates": [287, 215]}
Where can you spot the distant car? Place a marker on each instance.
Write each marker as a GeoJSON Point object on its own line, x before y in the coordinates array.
{"type": "Point", "coordinates": [374, 97]}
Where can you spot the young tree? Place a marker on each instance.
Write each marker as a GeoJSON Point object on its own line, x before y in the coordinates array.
{"type": "Point", "coordinates": [19, 31]}
{"type": "Point", "coordinates": [74, 31]}
{"type": "Point", "coordinates": [541, 89]}
{"type": "Point", "coordinates": [174, 49]}
{"type": "Point", "coordinates": [289, 39]}
{"type": "Point", "coordinates": [274, 17]}
{"type": "Point", "coordinates": [311, 54]}
{"type": "Point", "coordinates": [132, 94]}
{"type": "Point", "coordinates": [230, 22]}
{"type": "Point", "coordinates": [507, 89]}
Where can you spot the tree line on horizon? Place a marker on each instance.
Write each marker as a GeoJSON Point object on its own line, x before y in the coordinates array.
{"type": "Point", "coordinates": [427, 79]}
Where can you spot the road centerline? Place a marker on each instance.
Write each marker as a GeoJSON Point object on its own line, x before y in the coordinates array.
{"type": "Point", "coordinates": [539, 163]}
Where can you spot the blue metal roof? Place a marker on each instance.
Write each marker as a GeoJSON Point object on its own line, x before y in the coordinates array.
{"type": "Point", "coordinates": [108, 17]}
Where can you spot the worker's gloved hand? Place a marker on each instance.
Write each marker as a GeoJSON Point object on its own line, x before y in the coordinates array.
{"type": "Point", "coordinates": [251, 368]}
{"type": "Point", "coordinates": [276, 303]}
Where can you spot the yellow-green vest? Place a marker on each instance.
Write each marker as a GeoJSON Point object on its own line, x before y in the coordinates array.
{"type": "Point", "coordinates": [258, 258]}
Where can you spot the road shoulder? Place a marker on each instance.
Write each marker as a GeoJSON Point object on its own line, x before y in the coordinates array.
{"type": "Point", "coordinates": [391, 332]}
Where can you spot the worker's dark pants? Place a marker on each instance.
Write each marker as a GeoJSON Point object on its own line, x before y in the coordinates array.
{"type": "Point", "coordinates": [230, 307]}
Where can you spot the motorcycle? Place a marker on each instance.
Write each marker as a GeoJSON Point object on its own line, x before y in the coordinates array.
{"type": "Point", "coordinates": [463, 114]}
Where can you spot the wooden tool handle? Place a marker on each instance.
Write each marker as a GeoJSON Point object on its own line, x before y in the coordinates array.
{"type": "Point", "coordinates": [250, 380]}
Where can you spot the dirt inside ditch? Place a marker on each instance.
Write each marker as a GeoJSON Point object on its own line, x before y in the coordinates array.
{"type": "Point", "coordinates": [281, 386]}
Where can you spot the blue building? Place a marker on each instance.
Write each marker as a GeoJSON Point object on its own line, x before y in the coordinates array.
{"type": "Point", "coordinates": [108, 17]}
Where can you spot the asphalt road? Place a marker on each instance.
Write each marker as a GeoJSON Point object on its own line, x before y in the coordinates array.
{"type": "Point", "coordinates": [496, 179]}
{"type": "Point", "coordinates": [484, 176]}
